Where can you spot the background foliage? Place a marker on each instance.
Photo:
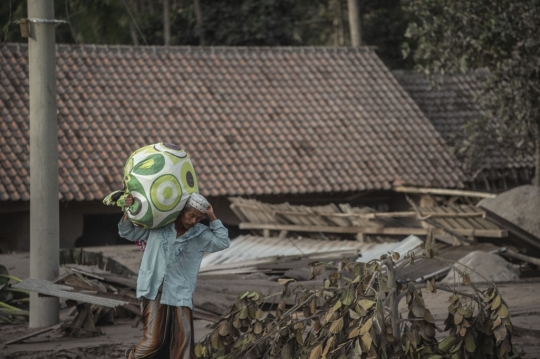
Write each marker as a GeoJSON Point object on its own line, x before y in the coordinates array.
{"type": "Point", "coordinates": [225, 23]}
{"type": "Point", "coordinates": [499, 37]}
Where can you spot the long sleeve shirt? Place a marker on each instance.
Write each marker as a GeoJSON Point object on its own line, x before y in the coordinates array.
{"type": "Point", "coordinates": [173, 261]}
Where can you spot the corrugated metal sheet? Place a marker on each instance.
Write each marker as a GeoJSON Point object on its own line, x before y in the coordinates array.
{"type": "Point", "coordinates": [410, 243]}
{"type": "Point", "coordinates": [248, 248]}
{"type": "Point", "coordinates": [428, 268]}
{"type": "Point", "coordinates": [253, 247]}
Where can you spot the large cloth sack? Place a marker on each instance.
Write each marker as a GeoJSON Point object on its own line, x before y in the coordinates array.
{"type": "Point", "coordinates": [160, 177]}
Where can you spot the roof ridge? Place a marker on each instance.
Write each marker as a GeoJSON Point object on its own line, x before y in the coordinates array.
{"type": "Point", "coordinates": [155, 49]}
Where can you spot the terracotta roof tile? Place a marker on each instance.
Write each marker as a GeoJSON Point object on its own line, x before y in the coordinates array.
{"type": "Point", "coordinates": [254, 120]}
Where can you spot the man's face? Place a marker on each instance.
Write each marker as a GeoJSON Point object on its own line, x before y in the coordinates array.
{"type": "Point", "coordinates": [191, 217]}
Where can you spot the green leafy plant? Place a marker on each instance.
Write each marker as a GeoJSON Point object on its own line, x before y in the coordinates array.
{"type": "Point", "coordinates": [13, 302]}
{"type": "Point", "coordinates": [355, 314]}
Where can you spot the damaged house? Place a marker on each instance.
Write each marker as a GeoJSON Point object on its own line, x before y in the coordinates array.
{"type": "Point", "coordinates": [302, 125]}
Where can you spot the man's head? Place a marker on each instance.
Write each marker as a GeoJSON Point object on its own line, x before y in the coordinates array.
{"type": "Point", "coordinates": [193, 210]}
{"type": "Point", "coordinates": [197, 201]}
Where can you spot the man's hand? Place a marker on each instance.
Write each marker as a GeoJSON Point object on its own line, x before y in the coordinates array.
{"type": "Point", "coordinates": [210, 213]}
{"type": "Point", "coordinates": [129, 202]}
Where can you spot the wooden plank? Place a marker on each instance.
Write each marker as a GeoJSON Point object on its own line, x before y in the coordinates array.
{"type": "Point", "coordinates": [333, 215]}
{"type": "Point", "coordinates": [47, 288]}
{"type": "Point", "coordinates": [374, 215]}
{"type": "Point", "coordinates": [464, 223]}
{"type": "Point", "coordinates": [500, 233]}
{"type": "Point", "coordinates": [481, 221]}
{"type": "Point", "coordinates": [78, 321]}
{"type": "Point", "coordinates": [34, 334]}
{"type": "Point", "coordinates": [448, 223]}
{"type": "Point", "coordinates": [352, 215]}
{"type": "Point", "coordinates": [300, 216]}
{"type": "Point", "coordinates": [104, 276]}
{"type": "Point", "coordinates": [473, 222]}
{"type": "Point", "coordinates": [516, 231]}
{"type": "Point", "coordinates": [237, 208]}
{"type": "Point", "coordinates": [521, 257]}
{"type": "Point", "coordinates": [443, 191]}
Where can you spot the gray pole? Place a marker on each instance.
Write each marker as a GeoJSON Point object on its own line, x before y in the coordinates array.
{"type": "Point", "coordinates": [354, 22]}
{"type": "Point", "coordinates": [44, 206]}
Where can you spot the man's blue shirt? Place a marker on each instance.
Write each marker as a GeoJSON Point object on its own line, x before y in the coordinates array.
{"type": "Point", "coordinates": [173, 261]}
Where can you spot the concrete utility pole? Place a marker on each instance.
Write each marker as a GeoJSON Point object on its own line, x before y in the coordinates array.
{"type": "Point", "coordinates": [354, 22]}
{"type": "Point", "coordinates": [44, 207]}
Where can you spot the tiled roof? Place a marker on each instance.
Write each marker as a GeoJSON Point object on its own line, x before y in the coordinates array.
{"type": "Point", "coordinates": [452, 104]}
{"type": "Point", "coordinates": [254, 120]}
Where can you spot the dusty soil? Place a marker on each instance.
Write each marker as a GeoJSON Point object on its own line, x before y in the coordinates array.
{"type": "Point", "coordinates": [521, 296]}
{"type": "Point", "coordinates": [113, 343]}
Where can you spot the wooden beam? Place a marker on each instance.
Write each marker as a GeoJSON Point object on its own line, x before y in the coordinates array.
{"type": "Point", "coordinates": [471, 232]}
{"type": "Point", "coordinates": [515, 230]}
{"type": "Point", "coordinates": [443, 191]}
{"type": "Point", "coordinates": [405, 231]}
{"type": "Point", "coordinates": [521, 257]}
{"type": "Point", "coordinates": [371, 215]}
{"type": "Point", "coordinates": [374, 215]}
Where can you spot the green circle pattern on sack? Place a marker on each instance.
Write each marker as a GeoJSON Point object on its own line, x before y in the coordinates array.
{"type": "Point", "coordinates": [160, 177]}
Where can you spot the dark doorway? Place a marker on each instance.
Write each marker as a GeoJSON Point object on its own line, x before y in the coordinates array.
{"type": "Point", "coordinates": [100, 230]}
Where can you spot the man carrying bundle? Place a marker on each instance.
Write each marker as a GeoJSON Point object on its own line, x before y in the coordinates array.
{"type": "Point", "coordinates": [168, 276]}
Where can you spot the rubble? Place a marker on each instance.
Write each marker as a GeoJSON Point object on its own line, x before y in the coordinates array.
{"type": "Point", "coordinates": [520, 206]}
{"type": "Point", "coordinates": [482, 267]}
{"type": "Point", "coordinates": [292, 238]}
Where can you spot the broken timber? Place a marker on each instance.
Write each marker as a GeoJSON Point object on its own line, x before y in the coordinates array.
{"type": "Point", "coordinates": [84, 319]}
{"type": "Point", "coordinates": [443, 191]}
{"type": "Point", "coordinates": [493, 233]}
{"type": "Point", "coordinates": [35, 334]}
{"type": "Point", "coordinates": [46, 288]}
{"type": "Point", "coordinates": [372, 215]}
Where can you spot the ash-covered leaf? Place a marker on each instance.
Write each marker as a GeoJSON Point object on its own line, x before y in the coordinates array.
{"type": "Point", "coordinates": [470, 344]}
{"type": "Point", "coordinates": [316, 352]}
{"type": "Point", "coordinates": [496, 302]}
{"type": "Point", "coordinates": [447, 343]}
{"type": "Point", "coordinates": [366, 326]}
{"type": "Point", "coordinates": [337, 325]}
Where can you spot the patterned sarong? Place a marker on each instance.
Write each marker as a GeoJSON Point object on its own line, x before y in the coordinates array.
{"type": "Point", "coordinates": [168, 332]}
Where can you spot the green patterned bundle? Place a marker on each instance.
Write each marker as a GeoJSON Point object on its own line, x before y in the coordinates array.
{"type": "Point", "coordinates": [160, 177]}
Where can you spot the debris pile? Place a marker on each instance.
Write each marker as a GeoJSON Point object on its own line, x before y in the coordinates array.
{"type": "Point", "coordinates": [98, 290]}
{"type": "Point", "coordinates": [483, 267]}
{"type": "Point", "coordinates": [93, 297]}
{"type": "Point", "coordinates": [520, 206]}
